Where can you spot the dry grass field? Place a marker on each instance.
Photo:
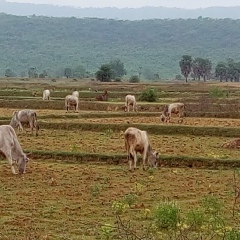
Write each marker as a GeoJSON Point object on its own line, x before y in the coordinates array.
{"type": "Point", "coordinates": [62, 199]}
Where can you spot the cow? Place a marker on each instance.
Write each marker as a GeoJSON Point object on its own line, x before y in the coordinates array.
{"type": "Point", "coordinates": [130, 100]}
{"type": "Point", "coordinates": [23, 117]}
{"type": "Point", "coordinates": [137, 141]}
{"type": "Point", "coordinates": [176, 108]}
{"type": "Point", "coordinates": [71, 102]}
{"type": "Point", "coordinates": [103, 97]}
{"type": "Point", "coordinates": [10, 147]}
{"type": "Point", "coordinates": [76, 94]}
{"type": "Point", "coordinates": [46, 94]}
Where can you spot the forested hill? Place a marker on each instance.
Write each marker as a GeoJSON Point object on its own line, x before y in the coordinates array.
{"type": "Point", "coordinates": [25, 9]}
{"type": "Point", "coordinates": [154, 46]}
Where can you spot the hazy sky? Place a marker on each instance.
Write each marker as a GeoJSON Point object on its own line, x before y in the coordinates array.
{"type": "Point", "coordinates": [136, 3]}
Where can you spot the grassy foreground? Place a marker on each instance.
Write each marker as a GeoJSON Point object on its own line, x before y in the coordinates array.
{"type": "Point", "coordinates": [58, 201]}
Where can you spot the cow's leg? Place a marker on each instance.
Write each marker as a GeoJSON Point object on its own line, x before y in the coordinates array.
{"type": "Point", "coordinates": [144, 158]}
{"type": "Point", "coordinates": [9, 158]}
{"type": "Point", "coordinates": [31, 126]}
{"type": "Point", "coordinates": [128, 107]}
{"type": "Point", "coordinates": [134, 156]}
{"type": "Point", "coordinates": [20, 126]}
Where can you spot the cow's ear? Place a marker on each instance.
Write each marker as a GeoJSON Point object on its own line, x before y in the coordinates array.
{"type": "Point", "coordinates": [14, 113]}
{"type": "Point", "coordinates": [157, 154]}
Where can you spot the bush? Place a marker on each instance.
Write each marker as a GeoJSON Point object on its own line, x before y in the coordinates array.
{"type": "Point", "coordinates": [134, 79]}
{"type": "Point", "coordinates": [117, 79]}
{"type": "Point", "coordinates": [217, 92]}
{"type": "Point", "coordinates": [149, 95]}
{"type": "Point", "coordinates": [167, 215]}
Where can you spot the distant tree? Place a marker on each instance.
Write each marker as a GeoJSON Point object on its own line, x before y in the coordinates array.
{"type": "Point", "coordinates": [186, 65]}
{"type": "Point", "coordinates": [67, 72]}
{"type": "Point", "coordinates": [134, 79]}
{"type": "Point", "coordinates": [221, 71]}
{"type": "Point", "coordinates": [201, 68]}
{"type": "Point", "coordinates": [105, 73]}
{"type": "Point", "coordinates": [233, 70]}
{"type": "Point", "coordinates": [178, 77]}
{"type": "Point", "coordinates": [43, 74]}
{"type": "Point", "coordinates": [32, 72]}
{"type": "Point", "coordinates": [9, 73]}
{"type": "Point", "coordinates": [79, 72]}
{"type": "Point", "coordinates": [117, 68]}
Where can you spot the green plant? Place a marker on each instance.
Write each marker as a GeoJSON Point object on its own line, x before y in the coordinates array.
{"type": "Point", "coordinates": [217, 92]}
{"type": "Point", "coordinates": [196, 219]}
{"type": "Point", "coordinates": [130, 199]}
{"type": "Point", "coordinates": [149, 95]}
{"type": "Point", "coordinates": [119, 207]}
{"type": "Point", "coordinates": [134, 79]}
{"type": "Point", "coordinates": [167, 215]}
{"type": "Point", "coordinates": [106, 232]}
{"type": "Point", "coordinates": [95, 189]}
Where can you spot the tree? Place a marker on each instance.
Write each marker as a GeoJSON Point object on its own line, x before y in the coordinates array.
{"type": "Point", "coordinates": [186, 65]}
{"type": "Point", "coordinates": [79, 72]}
{"type": "Point", "coordinates": [105, 73]}
{"type": "Point", "coordinates": [68, 72]}
{"type": "Point", "coordinates": [32, 72]}
{"type": "Point", "coordinates": [9, 73]}
{"type": "Point", "coordinates": [134, 79]}
{"type": "Point", "coordinates": [43, 74]}
{"type": "Point", "coordinates": [221, 71]}
{"type": "Point", "coordinates": [118, 68]}
{"type": "Point", "coordinates": [201, 68]}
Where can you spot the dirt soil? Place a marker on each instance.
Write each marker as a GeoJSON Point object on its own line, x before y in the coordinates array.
{"type": "Point", "coordinates": [109, 142]}
{"type": "Point", "coordinates": [57, 201]}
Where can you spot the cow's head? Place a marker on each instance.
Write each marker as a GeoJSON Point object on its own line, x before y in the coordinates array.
{"type": "Point", "coordinates": [153, 159]}
{"type": "Point", "coordinates": [22, 163]}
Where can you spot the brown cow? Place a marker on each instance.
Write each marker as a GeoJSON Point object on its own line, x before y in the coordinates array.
{"type": "Point", "coordinates": [137, 141]}
{"type": "Point", "coordinates": [103, 97]}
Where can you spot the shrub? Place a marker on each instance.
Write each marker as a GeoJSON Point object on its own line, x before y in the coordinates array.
{"type": "Point", "coordinates": [134, 79]}
{"type": "Point", "coordinates": [117, 79]}
{"type": "Point", "coordinates": [149, 95]}
{"type": "Point", "coordinates": [217, 92]}
{"type": "Point", "coordinates": [167, 215]}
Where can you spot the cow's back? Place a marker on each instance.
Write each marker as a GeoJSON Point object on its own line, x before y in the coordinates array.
{"type": "Point", "coordinates": [135, 136]}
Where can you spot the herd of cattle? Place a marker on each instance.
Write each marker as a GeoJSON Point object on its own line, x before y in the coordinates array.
{"type": "Point", "coordinates": [136, 141]}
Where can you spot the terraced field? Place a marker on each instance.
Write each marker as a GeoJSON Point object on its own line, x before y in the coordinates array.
{"type": "Point", "coordinates": [78, 163]}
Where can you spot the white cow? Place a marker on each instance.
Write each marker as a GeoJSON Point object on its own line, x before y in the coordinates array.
{"type": "Point", "coordinates": [25, 116]}
{"type": "Point", "coordinates": [46, 94]}
{"type": "Point", "coordinates": [137, 141]}
{"type": "Point", "coordinates": [11, 148]}
{"type": "Point", "coordinates": [76, 94]}
{"type": "Point", "coordinates": [176, 108]}
{"type": "Point", "coordinates": [130, 100]}
{"type": "Point", "coordinates": [71, 102]}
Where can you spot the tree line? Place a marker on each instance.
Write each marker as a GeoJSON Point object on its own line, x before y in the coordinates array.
{"type": "Point", "coordinates": [202, 68]}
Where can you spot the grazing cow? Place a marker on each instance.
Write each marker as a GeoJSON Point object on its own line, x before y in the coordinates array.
{"type": "Point", "coordinates": [76, 94]}
{"type": "Point", "coordinates": [71, 102]}
{"type": "Point", "coordinates": [46, 94]}
{"type": "Point", "coordinates": [103, 97]}
{"type": "Point", "coordinates": [176, 108]}
{"type": "Point", "coordinates": [23, 117]}
{"type": "Point", "coordinates": [130, 100]}
{"type": "Point", "coordinates": [137, 141]}
{"type": "Point", "coordinates": [11, 148]}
